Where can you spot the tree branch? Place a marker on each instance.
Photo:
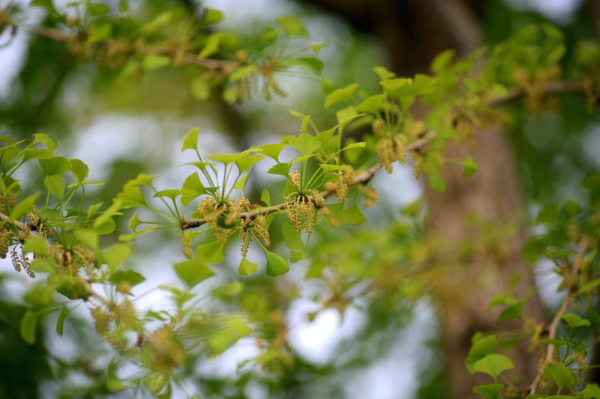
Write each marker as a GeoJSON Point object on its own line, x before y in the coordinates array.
{"type": "Point", "coordinates": [190, 58]}
{"type": "Point", "coordinates": [550, 88]}
{"type": "Point", "coordinates": [577, 264]}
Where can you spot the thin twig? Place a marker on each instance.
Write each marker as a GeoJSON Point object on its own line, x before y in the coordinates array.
{"type": "Point", "coordinates": [19, 225]}
{"type": "Point", "coordinates": [551, 88]}
{"type": "Point", "coordinates": [190, 58]}
{"type": "Point", "coordinates": [577, 264]}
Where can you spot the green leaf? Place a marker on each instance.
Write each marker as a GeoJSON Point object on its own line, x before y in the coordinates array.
{"type": "Point", "coordinates": [480, 349]}
{"type": "Point", "coordinates": [192, 272]}
{"type": "Point", "coordinates": [331, 168]}
{"type": "Point", "coordinates": [131, 277]}
{"type": "Point", "coordinates": [270, 150]}
{"type": "Point", "coordinates": [345, 94]}
{"type": "Point", "coordinates": [56, 185]}
{"type": "Point", "coordinates": [123, 6]}
{"type": "Point", "coordinates": [225, 332]}
{"type": "Point", "coordinates": [247, 161]}
{"type": "Point", "coordinates": [28, 326]}
{"type": "Point", "coordinates": [591, 391]}
{"type": "Point", "coordinates": [131, 195]}
{"type": "Point", "coordinates": [43, 138]}
{"type": "Point", "coordinates": [43, 265]}
{"type": "Point", "coordinates": [492, 390]}
{"type": "Point", "coordinates": [276, 264]}
{"type": "Point", "coordinates": [313, 63]}
{"type": "Point", "coordinates": [470, 167]}
{"type": "Point", "coordinates": [210, 253]}
{"type": "Point", "coordinates": [153, 62]}
{"type": "Point", "coordinates": [242, 72]}
{"type": "Point", "coordinates": [172, 193]}
{"type": "Point", "coordinates": [98, 8]}
{"type": "Point", "coordinates": [116, 254]}
{"type": "Point", "coordinates": [211, 16]}
{"type": "Point", "coordinates": [230, 290]}
{"type": "Point", "coordinates": [589, 286]}
{"type": "Point", "coordinates": [216, 41]}
{"type": "Point", "coordinates": [282, 169]}
{"type": "Point", "coordinates": [360, 144]}
{"type": "Point", "coordinates": [54, 165]}
{"type": "Point", "coordinates": [384, 73]}
{"type": "Point", "coordinates": [345, 115]}
{"type": "Point", "coordinates": [36, 153]}
{"type": "Point", "coordinates": [575, 320]}
{"type": "Point", "coordinates": [227, 158]}
{"type": "Point", "coordinates": [85, 183]}
{"type": "Point", "coordinates": [514, 310]}
{"type": "Point", "coordinates": [79, 169]}
{"type": "Point", "coordinates": [60, 321]}
{"type": "Point", "coordinates": [373, 104]}
{"type": "Point", "coordinates": [192, 188]}
{"type": "Point", "coordinates": [570, 209]}
{"type": "Point", "coordinates": [436, 181]}
{"type": "Point", "coordinates": [129, 237]}
{"type": "Point", "coordinates": [134, 222]}
{"type": "Point", "coordinates": [89, 238]}
{"type": "Point", "coordinates": [23, 207]}
{"type": "Point", "coordinates": [353, 215]}
{"type": "Point", "coordinates": [108, 214]}
{"type": "Point", "coordinates": [399, 86]}
{"type": "Point", "coordinates": [305, 143]}
{"type": "Point", "coordinates": [190, 142]}
{"type": "Point", "coordinates": [200, 88]}
{"type": "Point", "coordinates": [241, 183]}
{"type": "Point", "coordinates": [493, 365]}
{"type": "Point", "coordinates": [99, 33]}
{"type": "Point", "coordinates": [297, 255]}
{"type": "Point", "coordinates": [37, 245]}
{"type": "Point", "coordinates": [292, 237]}
{"type": "Point", "coordinates": [246, 267]}
{"type": "Point", "coordinates": [561, 374]}
{"type": "Point", "coordinates": [316, 47]}
{"type": "Point", "coordinates": [442, 61]}
{"type": "Point", "coordinates": [265, 197]}
{"type": "Point", "coordinates": [292, 26]}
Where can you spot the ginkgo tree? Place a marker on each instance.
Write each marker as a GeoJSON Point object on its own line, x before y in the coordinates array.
{"type": "Point", "coordinates": [53, 234]}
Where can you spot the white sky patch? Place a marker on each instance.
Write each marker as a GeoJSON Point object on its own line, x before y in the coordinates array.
{"type": "Point", "coordinates": [396, 374]}
{"type": "Point", "coordinates": [560, 11]}
{"type": "Point", "coordinates": [12, 56]}
{"type": "Point", "coordinates": [242, 15]}
{"type": "Point", "coordinates": [317, 340]}
{"type": "Point", "coordinates": [547, 282]}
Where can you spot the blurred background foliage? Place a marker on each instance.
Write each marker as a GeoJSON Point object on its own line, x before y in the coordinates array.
{"type": "Point", "coordinates": [382, 346]}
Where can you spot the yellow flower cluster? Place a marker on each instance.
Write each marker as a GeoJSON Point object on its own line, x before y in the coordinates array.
{"type": "Point", "coordinates": [301, 209]}
{"type": "Point", "coordinates": [537, 100]}
{"type": "Point", "coordinates": [370, 193]}
{"type": "Point", "coordinates": [166, 350]}
{"type": "Point", "coordinates": [296, 179]}
{"type": "Point", "coordinates": [5, 237]}
{"type": "Point", "coordinates": [186, 246]}
{"type": "Point", "coordinates": [259, 227]}
{"type": "Point", "coordinates": [340, 186]}
{"type": "Point", "coordinates": [391, 150]}
{"type": "Point", "coordinates": [270, 85]}
{"type": "Point", "coordinates": [222, 217]}
{"type": "Point", "coordinates": [243, 90]}
{"type": "Point", "coordinates": [21, 262]}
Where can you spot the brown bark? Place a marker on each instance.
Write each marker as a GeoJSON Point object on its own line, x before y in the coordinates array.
{"type": "Point", "coordinates": [414, 31]}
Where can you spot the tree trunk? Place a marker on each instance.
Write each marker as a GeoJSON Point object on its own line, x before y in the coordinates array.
{"type": "Point", "coordinates": [465, 282]}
